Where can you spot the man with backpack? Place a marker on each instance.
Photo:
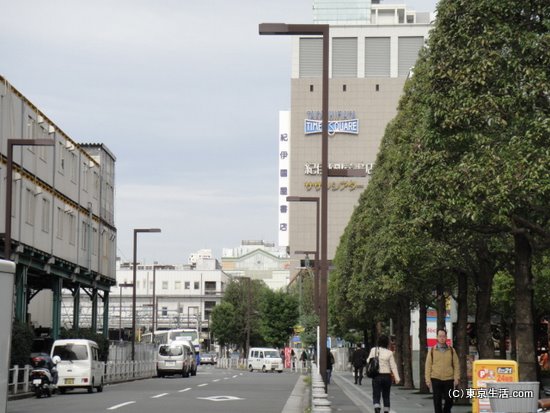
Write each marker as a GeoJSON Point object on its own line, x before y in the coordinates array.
{"type": "Point", "coordinates": [442, 372]}
{"type": "Point", "coordinates": [358, 360]}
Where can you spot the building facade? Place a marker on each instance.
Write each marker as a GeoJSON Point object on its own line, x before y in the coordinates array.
{"type": "Point", "coordinates": [368, 65]}
{"type": "Point", "coordinates": [63, 234]}
{"type": "Point", "coordinates": [167, 296]}
{"type": "Point", "coordinates": [258, 260]}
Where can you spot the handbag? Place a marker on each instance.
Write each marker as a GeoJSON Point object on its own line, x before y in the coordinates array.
{"type": "Point", "coordinates": [373, 366]}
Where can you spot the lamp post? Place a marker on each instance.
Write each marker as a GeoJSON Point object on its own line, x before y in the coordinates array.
{"type": "Point", "coordinates": [154, 298]}
{"type": "Point", "coordinates": [134, 268]}
{"type": "Point", "coordinates": [318, 30]}
{"type": "Point", "coordinates": [9, 178]}
{"type": "Point", "coordinates": [316, 252]}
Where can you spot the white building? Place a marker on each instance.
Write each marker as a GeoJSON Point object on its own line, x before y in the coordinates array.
{"type": "Point", "coordinates": [258, 260]}
{"type": "Point", "coordinates": [178, 295]}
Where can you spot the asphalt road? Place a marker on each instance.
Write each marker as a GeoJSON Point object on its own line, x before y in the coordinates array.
{"type": "Point", "coordinates": [210, 391]}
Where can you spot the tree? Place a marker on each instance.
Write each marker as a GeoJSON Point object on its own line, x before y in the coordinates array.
{"type": "Point", "coordinates": [223, 324]}
{"type": "Point", "coordinates": [278, 316]}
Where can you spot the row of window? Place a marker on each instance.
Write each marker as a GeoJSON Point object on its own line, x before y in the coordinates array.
{"type": "Point", "coordinates": [345, 56]}
{"type": "Point", "coordinates": [208, 285]}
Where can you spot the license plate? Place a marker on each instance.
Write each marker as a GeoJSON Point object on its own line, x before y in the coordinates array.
{"type": "Point", "coordinates": [37, 382]}
{"type": "Point", "coordinates": [69, 381]}
{"type": "Point", "coordinates": [170, 363]}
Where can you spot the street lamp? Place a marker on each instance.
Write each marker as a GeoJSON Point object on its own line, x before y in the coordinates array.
{"type": "Point", "coordinates": [318, 30]}
{"type": "Point", "coordinates": [9, 178]}
{"type": "Point", "coordinates": [316, 252]}
{"type": "Point", "coordinates": [154, 297]}
{"type": "Point", "coordinates": [136, 231]}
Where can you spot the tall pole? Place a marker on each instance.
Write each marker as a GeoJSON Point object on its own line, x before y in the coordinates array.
{"type": "Point", "coordinates": [154, 299]}
{"type": "Point", "coordinates": [316, 30]}
{"type": "Point", "coordinates": [323, 299]}
{"type": "Point", "coordinates": [134, 278]}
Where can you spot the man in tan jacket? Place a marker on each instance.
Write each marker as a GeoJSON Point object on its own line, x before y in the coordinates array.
{"type": "Point", "coordinates": [442, 372]}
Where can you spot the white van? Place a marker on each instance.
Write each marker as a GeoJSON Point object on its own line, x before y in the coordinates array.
{"type": "Point", "coordinates": [264, 359]}
{"type": "Point", "coordinates": [176, 358]}
{"type": "Point", "coordinates": [80, 366]}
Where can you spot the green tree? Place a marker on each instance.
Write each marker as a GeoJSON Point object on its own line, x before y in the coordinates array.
{"type": "Point", "coordinates": [22, 336]}
{"type": "Point", "coordinates": [223, 324]}
{"type": "Point", "coordinates": [278, 316]}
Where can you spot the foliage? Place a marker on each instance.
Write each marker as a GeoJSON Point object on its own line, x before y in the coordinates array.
{"type": "Point", "coordinates": [22, 336]}
{"type": "Point", "coordinates": [223, 324]}
{"type": "Point", "coordinates": [278, 316]}
{"type": "Point", "coordinates": [89, 334]}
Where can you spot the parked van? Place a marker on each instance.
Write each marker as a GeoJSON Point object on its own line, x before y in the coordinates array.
{"type": "Point", "coordinates": [80, 366]}
{"type": "Point", "coordinates": [193, 350]}
{"type": "Point", "coordinates": [264, 359]}
{"type": "Point", "coordinates": [176, 358]}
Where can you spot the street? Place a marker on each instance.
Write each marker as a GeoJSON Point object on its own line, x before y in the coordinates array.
{"type": "Point", "coordinates": [212, 390]}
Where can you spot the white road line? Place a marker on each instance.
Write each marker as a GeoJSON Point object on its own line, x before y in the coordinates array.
{"type": "Point", "coordinates": [181, 391]}
{"type": "Point", "coordinates": [120, 405]}
{"type": "Point", "coordinates": [159, 395]}
{"type": "Point", "coordinates": [236, 375]}
{"type": "Point", "coordinates": [202, 385]}
{"type": "Point", "coordinates": [214, 381]}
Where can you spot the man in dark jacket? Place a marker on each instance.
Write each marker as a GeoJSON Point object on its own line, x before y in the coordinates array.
{"type": "Point", "coordinates": [358, 360]}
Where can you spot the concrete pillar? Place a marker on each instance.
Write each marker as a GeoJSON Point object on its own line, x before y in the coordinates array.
{"type": "Point", "coordinates": [57, 285]}
{"type": "Point", "coordinates": [106, 314]}
{"type": "Point", "coordinates": [94, 310]}
{"type": "Point", "coordinates": [76, 308]}
{"type": "Point", "coordinates": [21, 293]}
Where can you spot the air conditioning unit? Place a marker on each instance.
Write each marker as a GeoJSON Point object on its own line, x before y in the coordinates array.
{"type": "Point", "coordinates": [37, 190]}
{"type": "Point", "coordinates": [68, 209]}
{"type": "Point", "coordinates": [40, 119]}
{"type": "Point", "coordinates": [70, 146]}
{"type": "Point", "coordinates": [51, 129]}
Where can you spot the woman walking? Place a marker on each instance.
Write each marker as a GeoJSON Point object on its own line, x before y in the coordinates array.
{"type": "Point", "coordinates": [381, 384]}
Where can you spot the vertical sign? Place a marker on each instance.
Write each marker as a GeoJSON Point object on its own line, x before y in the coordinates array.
{"type": "Point", "coordinates": [284, 175]}
{"type": "Point", "coordinates": [490, 371]}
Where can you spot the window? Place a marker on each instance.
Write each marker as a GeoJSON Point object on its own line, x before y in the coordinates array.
{"type": "Point", "coordinates": [284, 209]}
{"type": "Point", "coordinates": [60, 217]}
{"type": "Point", "coordinates": [85, 230]}
{"type": "Point", "coordinates": [164, 311]}
{"type": "Point", "coordinates": [165, 285]}
{"type": "Point", "coordinates": [73, 166]}
{"type": "Point", "coordinates": [196, 285]}
{"type": "Point", "coordinates": [45, 215]}
{"type": "Point", "coordinates": [283, 190]}
{"type": "Point", "coordinates": [284, 173]}
{"type": "Point", "coordinates": [61, 155]}
{"type": "Point", "coordinates": [187, 285]}
{"type": "Point", "coordinates": [85, 186]}
{"type": "Point", "coordinates": [96, 185]}
{"type": "Point", "coordinates": [72, 229]}
{"type": "Point", "coordinates": [31, 202]}
{"type": "Point", "coordinates": [377, 57]}
{"type": "Point", "coordinates": [177, 285]}
{"type": "Point", "coordinates": [344, 57]}
{"type": "Point", "coordinates": [408, 49]}
{"type": "Point", "coordinates": [311, 57]}
{"type": "Point", "coordinates": [94, 241]}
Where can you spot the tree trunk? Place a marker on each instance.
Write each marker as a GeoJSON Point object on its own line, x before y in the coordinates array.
{"type": "Point", "coordinates": [484, 284]}
{"type": "Point", "coordinates": [407, 377]}
{"type": "Point", "coordinates": [525, 331]}
{"type": "Point", "coordinates": [513, 341]}
{"type": "Point", "coordinates": [399, 341]}
{"type": "Point", "coordinates": [423, 340]}
{"type": "Point", "coordinates": [462, 341]}
{"type": "Point", "coordinates": [441, 307]}
{"type": "Point", "coordinates": [502, 341]}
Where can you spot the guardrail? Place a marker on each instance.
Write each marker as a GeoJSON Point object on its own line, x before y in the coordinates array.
{"type": "Point", "coordinates": [18, 377]}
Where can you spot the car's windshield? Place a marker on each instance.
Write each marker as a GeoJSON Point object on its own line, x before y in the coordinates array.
{"type": "Point", "coordinates": [271, 354]}
{"type": "Point", "coordinates": [170, 351]}
{"type": "Point", "coordinates": [71, 352]}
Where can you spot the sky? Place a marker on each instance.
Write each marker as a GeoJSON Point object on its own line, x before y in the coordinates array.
{"type": "Point", "coordinates": [185, 94]}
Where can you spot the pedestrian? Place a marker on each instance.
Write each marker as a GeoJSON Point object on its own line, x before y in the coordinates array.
{"type": "Point", "coordinates": [442, 372]}
{"type": "Point", "coordinates": [381, 384]}
{"type": "Point", "coordinates": [330, 362]}
{"type": "Point", "coordinates": [303, 358]}
{"type": "Point", "coordinates": [293, 359]}
{"type": "Point", "coordinates": [358, 360]}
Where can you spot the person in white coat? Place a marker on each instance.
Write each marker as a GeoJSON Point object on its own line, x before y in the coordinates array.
{"type": "Point", "coordinates": [381, 384]}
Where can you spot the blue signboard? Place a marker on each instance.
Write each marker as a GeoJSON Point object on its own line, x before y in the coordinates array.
{"type": "Point", "coordinates": [350, 126]}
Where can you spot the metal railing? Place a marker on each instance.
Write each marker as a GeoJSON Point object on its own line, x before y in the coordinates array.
{"type": "Point", "coordinates": [18, 377]}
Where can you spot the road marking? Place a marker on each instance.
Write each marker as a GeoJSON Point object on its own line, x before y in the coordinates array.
{"type": "Point", "coordinates": [181, 391]}
{"type": "Point", "coordinates": [159, 395]}
{"type": "Point", "coordinates": [220, 398]}
{"type": "Point", "coordinates": [120, 405]}
{"type": "Point", "coordinates": [226, 378]}
{"type": "Point", "coordinates": [214, 381]}
{"type": "Point", "coordinates": [236, 375]}
{"type": "Point", "coordinates": [202, 385]}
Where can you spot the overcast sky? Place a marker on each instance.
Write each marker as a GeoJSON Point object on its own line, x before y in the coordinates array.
{"type": "Point", "coordinates": [186, 95]}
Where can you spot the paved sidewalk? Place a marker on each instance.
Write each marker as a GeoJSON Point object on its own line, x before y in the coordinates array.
{"type": "Point", "coordinates": [349, 397]}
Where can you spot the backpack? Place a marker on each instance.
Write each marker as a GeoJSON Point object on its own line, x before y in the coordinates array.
{"type": "Point", "coordinates": [373, 366]}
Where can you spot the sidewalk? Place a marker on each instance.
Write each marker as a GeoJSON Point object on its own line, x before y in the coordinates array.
{"type": "Point", "coordinates": [349, 397]}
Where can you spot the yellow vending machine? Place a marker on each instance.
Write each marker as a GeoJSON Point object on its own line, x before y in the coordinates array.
{"type": "Point", "coordinates": [490, 371]}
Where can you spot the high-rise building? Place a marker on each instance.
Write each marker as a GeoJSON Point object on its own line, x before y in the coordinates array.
{"type": "Point", "coordinates": [372, 50]}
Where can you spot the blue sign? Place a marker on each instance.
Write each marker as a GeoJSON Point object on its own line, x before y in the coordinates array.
{"type": "Point", "coordinates": [350, 126]}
